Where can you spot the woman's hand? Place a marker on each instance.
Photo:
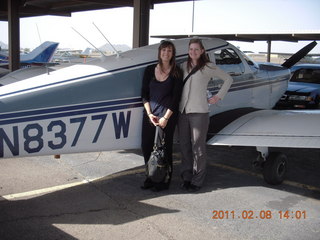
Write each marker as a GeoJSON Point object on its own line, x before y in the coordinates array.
{"type": "Point", "coordinates": [163, 122]}
{"type": "Point", "coordinates": [153, 119]}
{"type": "Point", "coordinates": [214, 99]}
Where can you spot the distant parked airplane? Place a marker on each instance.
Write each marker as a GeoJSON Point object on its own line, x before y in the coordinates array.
{"type": "Point", "coordinates": [41, 54]}
{"type": "Point", "coordinates": [71, 55]}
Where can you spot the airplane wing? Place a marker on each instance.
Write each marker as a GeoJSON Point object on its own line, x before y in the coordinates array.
{"type": "Point", "coordinates": [272, 128]}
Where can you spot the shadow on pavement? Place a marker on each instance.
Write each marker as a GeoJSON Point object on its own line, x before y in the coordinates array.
{"type": "Point", "coordinates": [118, 199]}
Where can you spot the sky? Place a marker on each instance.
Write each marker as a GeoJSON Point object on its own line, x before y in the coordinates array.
{"type": "Point", "coordinates": [210, 16]}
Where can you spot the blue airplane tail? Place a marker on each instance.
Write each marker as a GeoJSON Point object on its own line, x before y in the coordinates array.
{"type": "Point", "coordinates": [41, 54]}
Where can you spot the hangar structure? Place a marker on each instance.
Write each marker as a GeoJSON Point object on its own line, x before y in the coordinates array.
{"type": "Point", "coordinates": [247, 37]}
{"type": "Point", "coordinates": [13, 10]}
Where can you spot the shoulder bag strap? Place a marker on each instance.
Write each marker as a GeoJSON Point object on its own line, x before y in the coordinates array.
{"type": "Point", "coordinates": [194, 70]}
{"type": "Point", "coordinates": [158, 138]}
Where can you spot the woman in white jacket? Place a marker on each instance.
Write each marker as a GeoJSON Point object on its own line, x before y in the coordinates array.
{"type": "Point", "coordinates": [194, 113]}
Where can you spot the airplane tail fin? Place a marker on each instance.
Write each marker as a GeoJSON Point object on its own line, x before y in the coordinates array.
{"type": "Point", "coordinates": [86, 52]}
{"type": "Point", "coordinates": [41, 54]}
{"type": "Point", "coordinates": [299, 55]}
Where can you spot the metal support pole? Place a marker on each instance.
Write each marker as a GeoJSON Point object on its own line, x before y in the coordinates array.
{"type": "Point", "coordinates": [141, 23]}
{"type": "Point", "coordinates": [14, 34]}
{"type": "Point", "coordinates": [269, 51]}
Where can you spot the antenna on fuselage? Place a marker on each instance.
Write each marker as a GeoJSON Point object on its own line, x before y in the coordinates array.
{"type": "Point", "coordinates": [89, 42]}
{"type": "Point", "coordinates": [38, 33]}
{"type": "Point", "coordinates": [192, 17]}
{"type": "Point", "coordinates": [107, 40]}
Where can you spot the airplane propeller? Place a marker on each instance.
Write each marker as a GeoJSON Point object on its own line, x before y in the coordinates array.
{"type": "Point", "coordinates": [299, 55]}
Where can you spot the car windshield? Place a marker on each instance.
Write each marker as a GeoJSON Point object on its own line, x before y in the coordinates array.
{"type": "Point", "coordinates": [307, 76]}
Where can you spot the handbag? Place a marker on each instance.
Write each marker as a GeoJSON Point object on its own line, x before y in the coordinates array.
{"type": "Point", "coordinates": [157, 166]}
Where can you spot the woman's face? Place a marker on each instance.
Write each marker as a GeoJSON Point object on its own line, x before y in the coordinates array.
{"type": "Point", "coordinates": [166, 54]}
{"type": "Point", "coordinates": [195, 51]}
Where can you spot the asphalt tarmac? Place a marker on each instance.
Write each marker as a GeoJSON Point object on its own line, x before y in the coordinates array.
{"type": "Point", "coordinates": [98, 196]}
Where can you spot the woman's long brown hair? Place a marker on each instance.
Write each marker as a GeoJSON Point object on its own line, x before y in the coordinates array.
{"type": "Point", "coordinates": [164, 44]}
{"type": "Point", "coordinates": [203, 60]}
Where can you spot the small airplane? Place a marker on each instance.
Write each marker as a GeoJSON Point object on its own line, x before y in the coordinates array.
{"type": "Point", "coordinates": [41, 54]}
{"type": "Point", "coordinates": [71, 55]}
{"type": "Point", "coordinates": [86, 53]}
{"type": "Point", "coordinates": [97, 106]}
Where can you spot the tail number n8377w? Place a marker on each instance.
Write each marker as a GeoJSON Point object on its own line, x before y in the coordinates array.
{"type": "Point", "coordinates": [34, 137]}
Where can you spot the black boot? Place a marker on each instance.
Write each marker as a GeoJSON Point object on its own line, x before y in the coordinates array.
{"type": "Point", "coordinates": [147, 184]}
{"type": "Point", "coordinates": [185, 185]}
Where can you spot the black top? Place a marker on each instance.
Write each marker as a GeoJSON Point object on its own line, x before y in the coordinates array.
{"type": "Point", "coordinates": [161, 95]}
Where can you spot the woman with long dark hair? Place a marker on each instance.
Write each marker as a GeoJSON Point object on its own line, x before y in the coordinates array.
{"type": "Point", "coordinates": [161, 91]}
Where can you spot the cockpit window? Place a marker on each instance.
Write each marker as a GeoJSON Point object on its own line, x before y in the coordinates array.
{"type": "Point", "coordinates": [229, 61]}
{"type": "Point", "coordinates": [226, 56]}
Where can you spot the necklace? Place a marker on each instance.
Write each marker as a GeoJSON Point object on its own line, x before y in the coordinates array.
{"type": "Point", "coordinates": [162, 74]}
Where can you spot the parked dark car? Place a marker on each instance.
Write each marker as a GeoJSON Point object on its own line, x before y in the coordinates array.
{"type": "Point", "coordinates": [303, 89]}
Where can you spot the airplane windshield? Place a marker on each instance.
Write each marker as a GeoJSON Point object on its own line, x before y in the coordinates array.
{"type": "Point", "coordinates": [226, 56]}
{"type": "Point", "coordinates": [229, 61]}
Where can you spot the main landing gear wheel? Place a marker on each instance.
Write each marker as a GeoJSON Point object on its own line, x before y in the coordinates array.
{"type": "Point", "coordinates": [275, 167]}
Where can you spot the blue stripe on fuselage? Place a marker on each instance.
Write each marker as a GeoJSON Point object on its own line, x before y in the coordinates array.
{"type": "Point", "coordinates": [41, 114]}
{"type": "Point", "coordinates": [241, 85]}
{"type": "Point", "coordinates": [113, 105]}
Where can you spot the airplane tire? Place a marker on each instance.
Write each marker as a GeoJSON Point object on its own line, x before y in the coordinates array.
{"type": "Point", "coordinates": [275, 168]}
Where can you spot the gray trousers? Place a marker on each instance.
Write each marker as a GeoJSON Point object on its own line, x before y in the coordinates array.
{"type": "Point", "coordinates": [193, 128]}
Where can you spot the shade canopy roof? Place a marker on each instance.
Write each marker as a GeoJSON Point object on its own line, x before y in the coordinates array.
{"type": "Point", "coordinates": [291, 37]}
{"type": "Point", "coordinates": [32, 8]}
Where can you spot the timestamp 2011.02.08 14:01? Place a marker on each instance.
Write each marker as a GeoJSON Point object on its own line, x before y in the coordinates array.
{"type": "Point", "coordinates": [258, 214]}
